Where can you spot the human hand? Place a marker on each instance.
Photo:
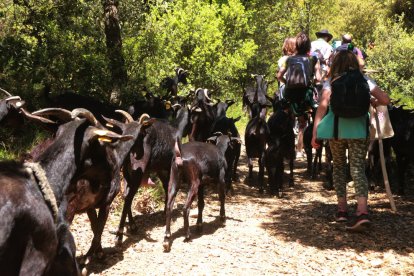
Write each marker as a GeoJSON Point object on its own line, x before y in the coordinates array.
{"type": "Point", "coordinates": [315, 143]}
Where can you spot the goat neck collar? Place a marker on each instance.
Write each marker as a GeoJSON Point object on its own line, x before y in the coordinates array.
{"type": "Point", "coordinates": [39, 174]}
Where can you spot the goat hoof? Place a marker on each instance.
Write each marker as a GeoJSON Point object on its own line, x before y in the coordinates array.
{"type": "Point", "coordinates": [167, 246]}
{"type": "Point", "coordinates": [84, 271]}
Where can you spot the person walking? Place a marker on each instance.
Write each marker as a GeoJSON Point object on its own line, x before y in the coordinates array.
{"type": "Point", "coordinates": [352, 134]}
{"type": "Point", "coordinates": [288, 49]}
{"type": "Point", "coordinates": [302, 71]}
{"type": "Point", "coordinates": [322, 49]}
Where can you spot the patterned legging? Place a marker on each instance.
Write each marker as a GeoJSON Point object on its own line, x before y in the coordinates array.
{"type": "Point", "coordinates": [357, 150]}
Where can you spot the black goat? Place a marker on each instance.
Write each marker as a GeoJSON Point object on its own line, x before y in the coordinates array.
{"type": "Point", "coordinates": [256, 96]}
{"type": "Point", "coordinates": [201, 162]}
{"type": "Point", "coordinates": [10, 110]}
{"type": "Point", "coordinates": [220, 108]}
{"type": "Point", "coordinates": [171, 84]}
{"type": "Point", "coordinates": [202, 116]}
{"type": "Point", "coordinates": [227, 126]}
{"type": "Point", "coordinates": [71, 100]}
{"type": "Point", "coordinates": [35, 239]}
{"type": "Point", "coordinates": [255, 138]}
{"type": "Point", "coordinates": [314, 163]}
{"type": "Point", "coordinates": [153, 105]}
{"type": "Point", "coordinates": [154, 150]}
{"type": "Point", "coordinates": [281, 146]}
{"type": "Point", "coordinates": [402, 143]}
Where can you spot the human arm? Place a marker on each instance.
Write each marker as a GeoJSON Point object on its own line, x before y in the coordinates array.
{"type": "Point", "coordinates": [320, 112]}
{"type": "Point", "coordinates": [379, 97]}
{"type": "Point", "coordinates": [280, 75]}
{"type": "Point", "coordinates": [317, 70]}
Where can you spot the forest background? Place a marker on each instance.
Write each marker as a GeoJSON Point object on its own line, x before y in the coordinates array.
{"type": "Point", "coordinates": [112, 49]}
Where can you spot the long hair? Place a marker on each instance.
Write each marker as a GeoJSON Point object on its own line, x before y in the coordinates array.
{"type": "Point", "coordinates": [289, 46]}
{"type": "Point", "coordinates": [342, 62]}
{"type": "Point", "coordinates": [303, 43]}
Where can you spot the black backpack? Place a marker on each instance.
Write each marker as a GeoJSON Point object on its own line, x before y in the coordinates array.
{"type": "Point", "coordinates": [350, 97]}
{"type": "Point", "coordinates": [299, 72]}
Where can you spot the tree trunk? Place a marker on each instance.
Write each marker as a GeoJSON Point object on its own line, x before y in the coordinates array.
{"type": "Point", "coordinates": [114, 48]}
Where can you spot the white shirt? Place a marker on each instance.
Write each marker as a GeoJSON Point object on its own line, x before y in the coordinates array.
{"type": "Point", "coordinates": [324, 47]}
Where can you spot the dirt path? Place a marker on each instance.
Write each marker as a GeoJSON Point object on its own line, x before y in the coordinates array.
{"type": "Point", "coordinates": [263, 235]}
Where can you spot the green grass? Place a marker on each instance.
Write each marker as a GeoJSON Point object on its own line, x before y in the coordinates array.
{"type": "Point", "coordinates": [14, 143]}
{"type": "Point", "coordinates": [235, 111]}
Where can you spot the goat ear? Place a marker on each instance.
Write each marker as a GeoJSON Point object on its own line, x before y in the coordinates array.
{"type": "Point", "coordinates": [237, 119]}
{"type": "Point", "coordinates": [112, 122]}
{"type": "Point", "coordinates": [16, 102]}
{"type": "Point", "coordinates": [218, 133]}
{"type": "Point", "coordinates": [149, 122]}
{"type": "Point", "coordinates": [107, 136]}
{"type": "Point", "coordinates": [229, 103]}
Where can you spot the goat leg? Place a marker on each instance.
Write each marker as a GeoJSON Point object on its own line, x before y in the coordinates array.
{"type": "Point", "coordinates": [187, 207]}
{"type": "Point", "coordinates": [250, 164]}
{"type": "Point", "coordinates": [291, 180]}
{"type": "Point", "coordinates": [235, 163]}
{"type": "Point", "coordinates": [172, 193]}
{"type": "Point", "coordinates": [132, 181]}
{"type": "Point", "coordinates": [222, 196]}
{"type": "Point", "coordinates": [261, 173]}
{"type": "Point", "coordinates": [99, 222]}
{"type": "Point", "coordinates": [200, 205]}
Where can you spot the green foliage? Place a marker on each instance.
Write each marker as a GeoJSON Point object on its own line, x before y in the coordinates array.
{"type": "Point", "coordinates": [359, 18]}
{"type": "Point", "coordinates": [210, 41]}
{"type": "Point", "coordinates": [60, 44]}
{"type": "Point", "coordinates": [396, 62]}
{"type": "Point", "coordinates": [15, 144]}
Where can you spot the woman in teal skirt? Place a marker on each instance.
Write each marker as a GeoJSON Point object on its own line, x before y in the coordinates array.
{"type": "Point", "coordinates": [352, 135]}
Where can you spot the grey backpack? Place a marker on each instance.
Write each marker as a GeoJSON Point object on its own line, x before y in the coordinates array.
{"type": "Point", "coordinates": [299, 72]}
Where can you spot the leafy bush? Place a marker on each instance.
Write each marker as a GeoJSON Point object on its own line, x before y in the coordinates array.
{"type": "Point", "coordinates": [393, 55]}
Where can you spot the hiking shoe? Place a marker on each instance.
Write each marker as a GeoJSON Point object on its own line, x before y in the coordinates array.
{"type": "Point", "coordinates": [360, 224]}
{"type": "Point", "coordinates": [341, 217]}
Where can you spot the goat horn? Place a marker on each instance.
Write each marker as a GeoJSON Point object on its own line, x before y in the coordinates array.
{"type": "Point", "coordinates": [180, 70]}
{"type": "Point", "coordinates": [35, 117]}
{"type": "Point", "coordinates": [13, 98]}
{"type": "Point", "coordinates": [218, 133]}
{"type": "Point", "coordinates": [63, 114]}
{"type": "Point", "coordinates": [205, 94]}
{"type": "Point", "coordinates": [86, 114]}
{"type": "Point", "coordinates": [176, 105]}
{"type": "Point", "coordinates": [198, 89]}
{"type": "Point", "coordinates": [4, 91]}
{"type": "Point", "coordinates": [143, 117]}
{"type": "Point", "coordinates": [127, 116]}
{"type": "Point", "coordinates": [212, 139]}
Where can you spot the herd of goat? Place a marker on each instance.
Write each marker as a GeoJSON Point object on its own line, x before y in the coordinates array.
{"type": "Point", "coordinates": [78, 169]}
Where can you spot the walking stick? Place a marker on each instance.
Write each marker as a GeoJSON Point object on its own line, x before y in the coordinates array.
{"type": "Point", "coordinates": [383, 168]}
